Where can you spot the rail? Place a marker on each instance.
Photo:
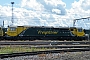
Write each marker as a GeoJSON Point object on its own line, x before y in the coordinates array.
{"type": "Point", "coordinates": [60, 46]}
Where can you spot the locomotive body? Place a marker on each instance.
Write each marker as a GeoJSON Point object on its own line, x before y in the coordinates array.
{"type": "Point", "coordinates": [42, 32]}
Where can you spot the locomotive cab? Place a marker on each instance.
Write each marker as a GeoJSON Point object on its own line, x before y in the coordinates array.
{"type": "Point", "coordinates": [80, 32]}
{"type": "Point", "coordinates": [77, 31]}
{"type": "Point", "coordinates": [15, 30]}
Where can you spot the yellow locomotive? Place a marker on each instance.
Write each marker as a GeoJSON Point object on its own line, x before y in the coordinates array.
{"type": "Point", "coordinates": [42, 32]}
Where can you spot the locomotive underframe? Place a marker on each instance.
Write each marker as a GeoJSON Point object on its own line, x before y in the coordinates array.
{"type": "Point", "coordinates": [44, 38]}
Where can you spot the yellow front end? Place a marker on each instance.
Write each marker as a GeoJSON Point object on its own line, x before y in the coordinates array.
{"type": "Point", "coordinates": [14, 31]}
{"type": "Point", "coordinates": [77, 31]}
{"type": "Point", "coordinates": [80, 33]}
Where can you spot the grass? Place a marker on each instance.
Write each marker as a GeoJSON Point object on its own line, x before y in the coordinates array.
{"type": "Point", "coordinates": [13, 49]}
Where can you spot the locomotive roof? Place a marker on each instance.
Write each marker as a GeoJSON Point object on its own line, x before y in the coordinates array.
{"type": "Point", "coordinates": [59, 27]}
{"type": "Point", "coordinates": [18, 26]}
{"type": "Point", "coordinates": [50, 27]}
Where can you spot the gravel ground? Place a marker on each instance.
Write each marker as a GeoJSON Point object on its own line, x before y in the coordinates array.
{"type": "Point", "coordinates": [55, 56]}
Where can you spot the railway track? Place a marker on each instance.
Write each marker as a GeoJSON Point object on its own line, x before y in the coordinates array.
{"type": "Point", "coordinates": [59, 46]}
{"type": "Point", "coordinates": [44, 42]}
{"type": "Point", "coordinates": [42, 52]}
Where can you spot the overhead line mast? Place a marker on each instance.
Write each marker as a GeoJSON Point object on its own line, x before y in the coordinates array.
{"type": "Point", "coordinates": [12, 13]}
{"type": "Point", "coordinates": [74, 21]}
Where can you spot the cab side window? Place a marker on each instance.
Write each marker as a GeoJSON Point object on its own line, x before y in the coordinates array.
{"type": "Point", "coordinates": [79, 30]}
{"type": "Point", "coordinates": [12, 29]}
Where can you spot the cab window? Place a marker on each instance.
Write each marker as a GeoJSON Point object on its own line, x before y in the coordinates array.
{"type": "Point", "coordinates": [12, 29]}
{"type": "Point", "coordinates": [79, 30]}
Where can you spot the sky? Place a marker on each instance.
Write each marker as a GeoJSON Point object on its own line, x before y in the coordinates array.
{"type": "Point", "coordinates": [69, 3]}
{"type": "Point", "coordinates": [45, 12]}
